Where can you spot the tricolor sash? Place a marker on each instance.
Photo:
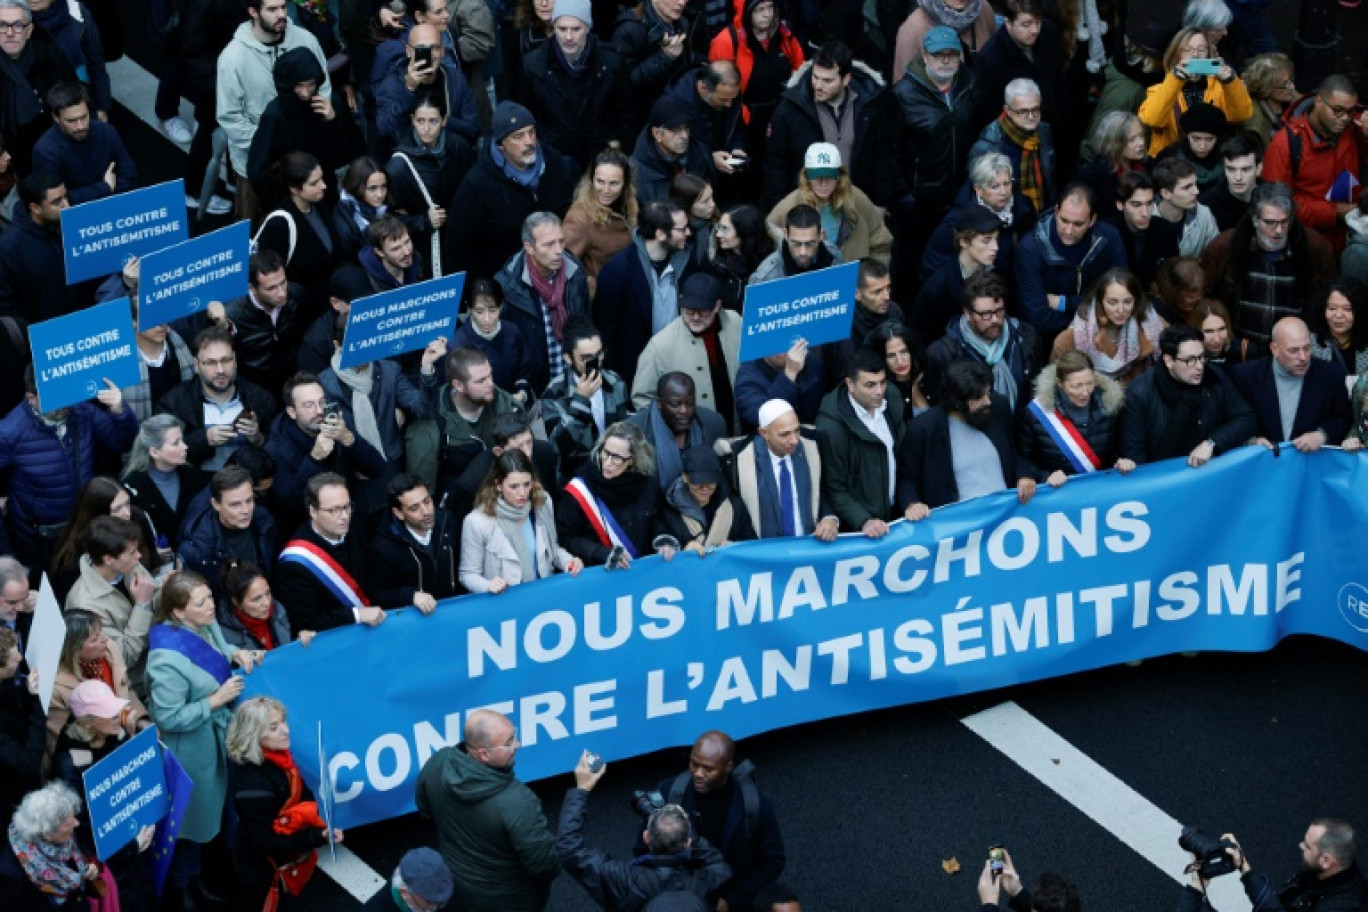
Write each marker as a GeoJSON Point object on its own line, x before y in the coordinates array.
{"type": "Point", "coordinates": [327, 570]}
{"type": "Point", "coordinates": [193, 646]}
{"type": "Point", "coordinates": [605, 525]}
{"type": "Point", "coordinates": [1067, 437]}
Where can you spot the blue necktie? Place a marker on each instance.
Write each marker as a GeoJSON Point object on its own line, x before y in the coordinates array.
{"type": "Point", "coordinates": [788, 525]}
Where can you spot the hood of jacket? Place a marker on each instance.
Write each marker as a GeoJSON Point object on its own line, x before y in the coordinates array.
{"type": "Point", "coordinates": [1109, 393]}
{"type": "Point", "coordinates": [864, 80]}
{"type": "Point", "coordinates": [291, 68]}
{"type": "Point", "coordinates": [469, 781]}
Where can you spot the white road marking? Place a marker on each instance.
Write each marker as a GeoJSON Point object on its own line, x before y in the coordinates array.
{"type": "Point", "coordinates": [351, 873]}
{"type": "Point", "coordinates": [136, 90]}
{"type": "Point", "coordinates": [1112, 804]}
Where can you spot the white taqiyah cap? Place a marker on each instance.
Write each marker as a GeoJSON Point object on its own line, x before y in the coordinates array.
{"type": "Point", "coordinates": [773, 409]}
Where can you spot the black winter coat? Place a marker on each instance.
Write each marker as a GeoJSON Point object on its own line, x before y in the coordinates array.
{"type": "Point", "coordinates": [1000, 61]}
{"type": "Point", "coordinates": [578, 114]}
{"type": "Point", "coordinates": [186, 402]}
{"type": "Point", "coordinates": [43, 64]}
{"type": "Point", "coordinates": [258, 792]}
{"type": "Point", "coordinates": [166, 518]}
{"type": "Point", "coordinates": [308, 260]}
{"type": "Point", "coordinates": [654, 173]}
{"type": "Point", "coordinates": [1037, 452]}
{"type": "Point", "coordinates": [266, 350]}
{"type": "Point", "coordinates": [936, 136]}
{"type": "Point", "coordinates": [523, 309]}
{"type": "Point", "coordinates": [441, 169]}
{"type": "Point", "coordinates": [1220, 414]}
{"type": "Point", "coordinates": [33, 273]}
{"type": "Point", "coordinates": [206, 28]}
{"type": "Point", "coordinates": [926, 468]}
{"type": "Point", "coordinates": [873, 164]}
{"type": "Point", "coordinates": [310, 604]}
{"type": "Point", "coordinates": [203, 549]}
{"type": "Point", "coordinates": [23, 739]}
{"type": "Point", "coordinates": [487, 213]}
{"type": "Point", "coordinates": [637, 40]}
{"type": "Point", "coordinates": [635, 501]}
{"type": "Point", "coordinates": [400, 567]}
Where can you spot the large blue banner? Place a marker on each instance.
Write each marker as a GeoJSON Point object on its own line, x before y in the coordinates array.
{"type": "Point", "coordinates": [182, 279]}
{"type": "Point", "coordinates": [125, 792]}
{"type": "Point", "coordinates": [73, 355]}
{"type": "Point", "coordinates": [100, 236]}
{"type": "Point", "coordinates": [816, 306]}
{"type": "Point", "coordinates": [1230, 557]}
{"type": "Point", "coordinates": [403, 320]}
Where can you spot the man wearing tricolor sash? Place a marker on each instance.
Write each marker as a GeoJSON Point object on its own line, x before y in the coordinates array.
{"type": "Point", "coordinates": [322, 568]}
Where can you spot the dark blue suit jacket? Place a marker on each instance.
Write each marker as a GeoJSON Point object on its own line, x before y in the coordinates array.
{"type": "Point", "coordinates": [1324, 402]}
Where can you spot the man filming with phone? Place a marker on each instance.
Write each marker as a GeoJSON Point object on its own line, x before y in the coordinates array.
{"type": "Point", "coordinates": [425, 69]}
{"type": "Point", "coordinates": [1329, 879]}
{"type": "Point", "coordinates": [999, 876]}
{"type": "Point", "coordinates": [583, 402]}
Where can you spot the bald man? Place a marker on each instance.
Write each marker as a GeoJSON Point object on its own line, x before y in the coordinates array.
{"type": "Point", "coordinates": [490, 827]}
{"type": "Point", "coordinates": [1296, 398]}
{"type": "Point", "coordinates": [732, 814]}
{"type": "Point", "coordinates": [415, 72]}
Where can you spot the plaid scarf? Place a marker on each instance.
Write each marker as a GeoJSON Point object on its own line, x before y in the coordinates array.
{"type": "Point", "coordinates": [1032, 172]}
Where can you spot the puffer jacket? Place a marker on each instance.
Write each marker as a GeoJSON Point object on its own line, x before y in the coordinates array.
{"type": "Point", "coordinates": [491, 833]}
{"type": "Point", "coordinates": [1040, 456]}
{"type": "Point", "coordinates": [48, 472]}
{"type": "Point", "coordinates": [936, 135]}
{"type": "Point", "coordinates": [202, 546]}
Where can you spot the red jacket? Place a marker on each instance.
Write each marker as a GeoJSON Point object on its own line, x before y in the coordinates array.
{"type": "Point", "coordinates": [1319, 164]}
{"type": "Point", "coordinates": [731, 44]}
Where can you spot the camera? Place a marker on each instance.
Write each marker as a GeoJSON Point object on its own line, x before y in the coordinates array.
{"type": "Point", "coordinates": [594, 761]}
{"type": "Point", "coordinates": [647, 803]}
{"type": "Point", "coordinates": [1212, 860]}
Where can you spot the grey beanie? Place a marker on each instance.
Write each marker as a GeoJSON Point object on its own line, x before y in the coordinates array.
{"type": "Point", "coordinates": [578, 9]}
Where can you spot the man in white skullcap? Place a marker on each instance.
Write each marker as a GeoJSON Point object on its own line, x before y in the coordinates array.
{"type": "Point", "coordinates": [778, 475]}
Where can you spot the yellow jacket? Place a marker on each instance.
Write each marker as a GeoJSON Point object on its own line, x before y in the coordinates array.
{"type": "Point", "coordinates": [1164, 103]}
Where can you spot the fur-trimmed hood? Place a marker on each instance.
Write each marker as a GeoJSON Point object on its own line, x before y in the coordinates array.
{"type": "Point", "coordinates": [1111, 393]}
{"type": "Point", "coordinates": [858, 70]}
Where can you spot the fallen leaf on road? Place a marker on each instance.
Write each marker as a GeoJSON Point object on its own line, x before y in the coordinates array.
{"type": "Point", "coordinates": [950, 866]}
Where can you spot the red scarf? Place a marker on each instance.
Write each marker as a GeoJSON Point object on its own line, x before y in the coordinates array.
{"type": "Point", "coordinates": [552, 294]}
{"type": "Point", "coordinates": [259, 628]}
{"type": "Point", "coordinates": [711, 343]}
{"type": "Point", "coordinates": [98, 670]}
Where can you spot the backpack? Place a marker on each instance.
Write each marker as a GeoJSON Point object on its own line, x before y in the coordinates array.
{"type": "Point", "coordinates": [744, 774]}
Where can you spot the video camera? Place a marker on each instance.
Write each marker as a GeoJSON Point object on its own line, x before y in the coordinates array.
{"type": "Point", "coordinates": [647, 803]}
{"type": "Point", "coordinates": [1212, 858]}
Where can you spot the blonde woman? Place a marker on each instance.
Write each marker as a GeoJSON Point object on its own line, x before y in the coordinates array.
{"type": "Point", "coordinates": [599, 222]}
{"type": "Point", "coordinates": [850, 219]}
{"type": "Point", "coordinates": [1184, 86]}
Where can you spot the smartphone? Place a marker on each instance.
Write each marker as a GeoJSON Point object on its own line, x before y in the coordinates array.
{"type": "Point", "coordinates": [332, 412]}
{"type": "Point", "coordinates": [423, 56]}
{"type": "Point", "coordinates": [595, 762]}
{"type": "Point", "coordinates": [591, 366]}
{"type": "Point", "coordinates": [997, 859]}
{"type": "Point", "coordinates": [1203, 66]}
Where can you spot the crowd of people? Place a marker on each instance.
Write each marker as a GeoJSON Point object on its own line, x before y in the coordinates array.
{"type": "Point", "coordinates": [1075, 254]}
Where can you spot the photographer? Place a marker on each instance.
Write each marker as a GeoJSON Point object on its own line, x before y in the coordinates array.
{"type": "Point", "coordinates": [1329, 880]}
{"type": "Point", "coordinates": [675, 863]}
{"type": "Point", "coordinates": [1052, 894]}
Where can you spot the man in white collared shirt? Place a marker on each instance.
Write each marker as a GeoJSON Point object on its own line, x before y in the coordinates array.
{"type": "Point", "coordinates": [860, 429]}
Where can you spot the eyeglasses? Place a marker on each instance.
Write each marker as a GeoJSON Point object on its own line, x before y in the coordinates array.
{"type": "Point", "coordinates": [1026, 112]}
{"type": "Point", "coordinates": [14, 28]}
{"type": "Point", "coordinates": [614, 458]}
{"type": "Point", "coordinates": [1192, 360]}
{"type": "Point", "coordinates": [341, 510]}
{"type": "Point", "coordinates": [998, 314]}
{"type": "Point", "coordinates": [1337, 110]}
{"type": "Point", "coordinates": [1275, 223]}
{"type": "Point", "coordinates": [217, 362]}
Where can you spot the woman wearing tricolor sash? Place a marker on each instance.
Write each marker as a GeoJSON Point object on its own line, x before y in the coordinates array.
{"type": "Point", "coordinates": [614, 506]}
{"type": "Point", "coordinates": [192, 687]}
{"type": "Point", "coordinates": [510, 536]}
{"type": "Point", "coordinates": [1071, 426]}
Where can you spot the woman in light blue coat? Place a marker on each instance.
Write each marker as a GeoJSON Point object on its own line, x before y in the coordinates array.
{"type": "Point", "coordinates": [192, 687]}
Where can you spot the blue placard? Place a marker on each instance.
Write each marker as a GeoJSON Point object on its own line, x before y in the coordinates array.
{"type": "Point", "coordinates": [760, 635]}
{"type": "Point", "coordinates": [181, 280]}
{"type": "Point", "coordinates": [75, 354]}
{"type": "Point", "coordinates": [817, 306]}
{"type": "Point", "coordinates": [403, 320]}
{"type": "Point", "coordinates": [125, 792]}
{"type": "Point", "coordinates": [101, 235]}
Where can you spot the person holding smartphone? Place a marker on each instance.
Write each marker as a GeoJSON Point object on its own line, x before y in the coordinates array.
{"type": "Point", "coordinates": [580, 404]}
{"type": "Point", "coordinates": [1194, 74]}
